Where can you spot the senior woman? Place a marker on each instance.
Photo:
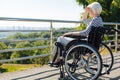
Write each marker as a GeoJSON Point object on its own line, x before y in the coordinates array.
{"type": "Point", "coordinates": [93, 10]}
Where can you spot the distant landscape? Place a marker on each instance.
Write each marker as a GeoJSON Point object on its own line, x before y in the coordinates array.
{"type": "Point", "coordinates": [11, 30]}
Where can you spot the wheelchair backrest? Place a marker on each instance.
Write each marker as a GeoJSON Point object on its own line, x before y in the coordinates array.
{"type": "Point", "coordinates": [96, 36]}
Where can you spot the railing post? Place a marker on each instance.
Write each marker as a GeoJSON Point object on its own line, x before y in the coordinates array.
{"type": "Point", "coordinates": [51, 40]}
{"type": "Point", "coordinates": [116, 39]}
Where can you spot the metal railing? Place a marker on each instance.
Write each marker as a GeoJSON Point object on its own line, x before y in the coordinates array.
{"type": "Point", "coordinates": [51, 25]}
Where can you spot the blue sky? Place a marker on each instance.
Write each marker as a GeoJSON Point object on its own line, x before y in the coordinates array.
{"type": "Point", "coordinates": [41, 9]}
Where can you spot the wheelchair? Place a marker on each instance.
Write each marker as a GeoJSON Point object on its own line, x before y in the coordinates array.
{"type": "Point", "coordinates": [83, 59]}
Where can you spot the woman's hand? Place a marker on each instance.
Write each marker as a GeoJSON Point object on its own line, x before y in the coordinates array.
{"type": "Point", "coordinates": [67, 34]}
{"type": "Point", "coordinates": [85, 15]}
{"type": "Point", "coordinates": [87, 9]}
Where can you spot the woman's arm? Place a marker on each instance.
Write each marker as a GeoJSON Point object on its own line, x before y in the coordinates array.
{"type": "Point", "coordinates": [71, 34]}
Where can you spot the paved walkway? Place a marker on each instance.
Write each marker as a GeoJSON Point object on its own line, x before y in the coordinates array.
{"type": "Point", "coordinates": [50, 73]}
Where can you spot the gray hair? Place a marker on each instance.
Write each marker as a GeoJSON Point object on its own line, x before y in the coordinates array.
{"type": "Point", "coordinates": [95, 7]}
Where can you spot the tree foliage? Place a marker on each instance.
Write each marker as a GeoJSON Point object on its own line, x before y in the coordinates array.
{"type": "Point", "coordinates": [27, 44]}
{"type": "Point", "coordinates": [2, 47]}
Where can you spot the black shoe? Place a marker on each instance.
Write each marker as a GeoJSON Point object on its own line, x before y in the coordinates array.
{"type": "Point", "coordinates": [54, 64]}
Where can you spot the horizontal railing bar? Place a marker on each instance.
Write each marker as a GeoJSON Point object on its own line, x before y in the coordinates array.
{"type": "Point", "coordinates": [112, 45]}
{"type": "Point", "coordinates": [24, 30]}
{"type": "Point", "coordinates": [22, 49]}
{"type": "Point", "coordinates": [111, 23]}
{"type": "Point", "coordinates": [49, 20]}
{"type": "Point", "coordinates": [108, 41]}
{"type": "Point", "coordinates": [20, 40]}
{"type": "Point", "coordinates": [36, 20]}
{"type": "Point", "coordinates": [23, 58]}
{"type": "Point", "coordinates": [112, 35]}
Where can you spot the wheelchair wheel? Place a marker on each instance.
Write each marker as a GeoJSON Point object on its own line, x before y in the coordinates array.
{"type": "Point", "coordinates": [107, 58]}
{"type": "Point", "coordinates": [80, 59]}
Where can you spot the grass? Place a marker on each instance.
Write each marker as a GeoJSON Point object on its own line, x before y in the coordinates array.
{"type": "Point", "coordinates": [16, 67]}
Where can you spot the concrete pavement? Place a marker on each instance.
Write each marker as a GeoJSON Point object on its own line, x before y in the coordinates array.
{"type": "Point", "coordinates": [50, 73]}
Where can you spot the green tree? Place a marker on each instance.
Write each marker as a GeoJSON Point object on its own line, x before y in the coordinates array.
{"type": "Point", "coordinates": [3, 55]}
{"type": "Point", "coordinates": [16, 36]}
{"type": "Point", "coordinates": [42, 60]}
{"type": "Point", "coordinates": [82, 26]}
{"type": "Point", "coordinates": [18, 54]}
{"type": "Point", "coordinates": [111, 9]}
